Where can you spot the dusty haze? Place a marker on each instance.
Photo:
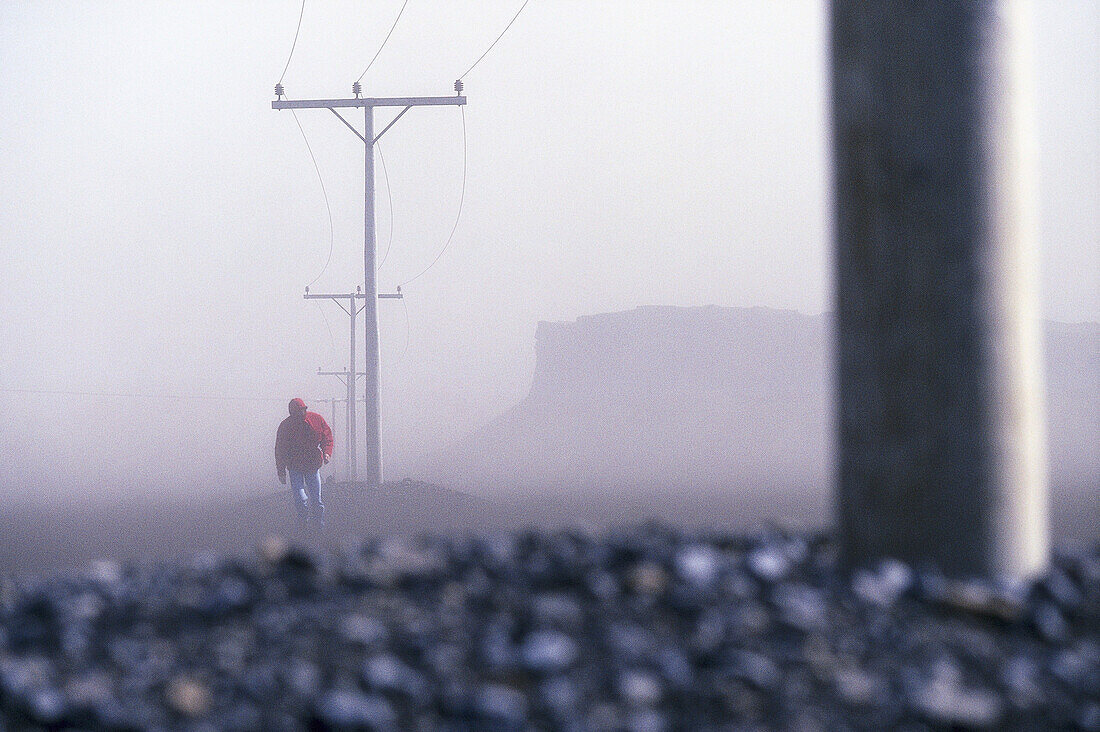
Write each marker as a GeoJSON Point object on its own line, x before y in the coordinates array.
{"type": "Point", "coordinates": [158, 221]}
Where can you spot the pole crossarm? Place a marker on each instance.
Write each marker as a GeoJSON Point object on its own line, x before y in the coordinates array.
{"type": "Point", "coordinates": [454, 101]}
{"type": "Point", "coordinates": [336, 298]}
{"type": "Point", "coordinates": [356, 295]}
{"type": "Point", "coordinates": [342, 375]}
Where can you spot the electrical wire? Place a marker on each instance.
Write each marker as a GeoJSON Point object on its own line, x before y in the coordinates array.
{"type": "Point", "coordinates": [389, 195]}
{"type": "Point", "coordinates": [399, 12]}
{"type": "Point", "coordinates": [490, 48]}
{"type": "Point", "coordinates": [331, 232]}
{"type": "Point", "coordinates": [331, 340]}
{"type": "Point", "coordinates": [328, 207]}
{"type": "Point", "coordinates": [179, 397]}
{"type": "Point", "coordinates": [461, 199]}
{"type": "Point", "coordinates": [295, 43]}
{"type": "Point", "coordinates": [407, 331]}
{"type": "Point", "coordinates": [462, 196]}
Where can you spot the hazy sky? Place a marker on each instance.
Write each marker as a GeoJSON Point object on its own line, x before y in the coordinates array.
{"type": "Point", "coordinates": [158, 221]}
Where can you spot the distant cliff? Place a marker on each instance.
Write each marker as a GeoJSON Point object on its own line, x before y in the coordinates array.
{"type": "Point", "coordinates": [710, 397]}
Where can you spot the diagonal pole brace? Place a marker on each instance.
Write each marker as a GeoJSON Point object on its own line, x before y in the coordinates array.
{"type": "Point", "coordinates": [391, 124]}
{"type": "Point", "coordinates": [350, 127]}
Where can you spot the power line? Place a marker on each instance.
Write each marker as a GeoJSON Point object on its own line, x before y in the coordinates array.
{"type": "Point", "coordinates": [407, 332]}
{"type": "Point", "coordinates": [295, 43]}
{"type": "Point", "coordinates": [462, 196]}
{"type": "Point", "coordinates": [178, 397]}
{"type": "Point", "coordinates": [490, 48]}
{"type": "Point", "coordinates": [331, 340]}
{"type": "Point", "coordinates": [399, 12]}
{"type": "Point", "coordinates": [389, 195]}
{"type": "Point", "coordinates": [461, 199]}
{"type": "Point", "coordinates": [331, 232]}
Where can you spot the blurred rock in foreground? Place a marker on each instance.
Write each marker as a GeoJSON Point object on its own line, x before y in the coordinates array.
{"type": "Point", "coordinates": [641, 629]}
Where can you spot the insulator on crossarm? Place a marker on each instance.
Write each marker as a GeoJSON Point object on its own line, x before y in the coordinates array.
{"type": "Point", "coordinates": [278, 91]}
{"type": "Point", "coordinates": [356, 89]}
{"type": "Point", "coordinates": [458, 86]}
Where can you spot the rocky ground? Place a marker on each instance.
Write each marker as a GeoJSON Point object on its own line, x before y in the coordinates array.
{"type": "Point", "coordinates": [646, 629]}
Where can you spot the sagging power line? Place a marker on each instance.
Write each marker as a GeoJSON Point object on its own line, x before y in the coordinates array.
{"type": "Point", "coordinates": [384, 41]}
{"type": "Point", "coordinates": [461, 200]}
{"type": "Point", "coordinates": [497, 40]}
{"type": "Point", "coordinates": [294, 44]}
{"type": "Point", "coordinates": [324, 193]}
{"type": "Point", "coordinates": [389, 198]}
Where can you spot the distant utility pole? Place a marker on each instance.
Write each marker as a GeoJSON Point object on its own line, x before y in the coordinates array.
{"type": "Point", "coordinates": [372, 366]}
{"type": "Point", "coordinates": [334, 402]}
{"type": "Point", "coordinates": [352, 310]}
{"type": "Point", "coordinates": [940, 425]}
{"type": "Point", "coordinates": [349, 417]}
{"type": "Point", "coordinates": [340, 436]}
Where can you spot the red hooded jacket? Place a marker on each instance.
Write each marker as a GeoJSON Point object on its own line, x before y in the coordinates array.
{"type": "Point", "coordinates": [302, 442]}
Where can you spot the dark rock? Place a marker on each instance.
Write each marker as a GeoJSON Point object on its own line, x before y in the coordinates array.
{"type": "Point", "coordinates": [352, 710]}
{"type": "Point", "coordinates": [503, 705]}
{"type": "Point", "coordinates": [548, 651]}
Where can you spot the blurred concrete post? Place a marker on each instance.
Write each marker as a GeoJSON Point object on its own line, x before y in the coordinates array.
{"type": "Point", "coordinates": [941, 435]}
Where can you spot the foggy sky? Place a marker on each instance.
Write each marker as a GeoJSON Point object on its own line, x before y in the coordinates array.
{"type": "Point", "coordinates": [158, 221]}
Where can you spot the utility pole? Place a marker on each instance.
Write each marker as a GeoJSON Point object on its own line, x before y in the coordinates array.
{"type": "Point", "coordinates": [333, 402]}
{"type": "Point", "coordinates": [370, 288]}
{"type": "Point", "coordinates": [352, 310]}
{"type": "Point", "coordinates": [349, 418]}
{"type": "Point", "coordinates": [940, 425]}
{"type": "Point", "coordinates": [340, 436]}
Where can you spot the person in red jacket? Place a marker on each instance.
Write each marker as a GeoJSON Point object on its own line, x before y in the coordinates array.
{"type": "Point", "coordinates": [303, 444]}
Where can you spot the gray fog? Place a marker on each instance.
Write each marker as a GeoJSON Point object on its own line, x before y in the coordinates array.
{"type": "Point", "coordinates": [159, 221]}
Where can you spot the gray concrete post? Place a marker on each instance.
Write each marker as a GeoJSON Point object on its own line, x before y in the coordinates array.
{"type": "Point", "coordinates": [372, 387]}
{"type": "Point", "coordinates": [941, 442]}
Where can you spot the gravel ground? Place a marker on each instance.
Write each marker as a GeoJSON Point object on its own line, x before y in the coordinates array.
{"type": "Point", "coordinates": [640, 629]}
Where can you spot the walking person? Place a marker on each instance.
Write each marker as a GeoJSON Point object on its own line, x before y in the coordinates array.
{"type": "Point", "coordinates": [303, 444]}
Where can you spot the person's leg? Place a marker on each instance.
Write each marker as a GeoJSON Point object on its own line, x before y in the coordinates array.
{"type": "Point", "coordinates": [298, 495]}
{"type": "Point", "coordinates": [316, 505]}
